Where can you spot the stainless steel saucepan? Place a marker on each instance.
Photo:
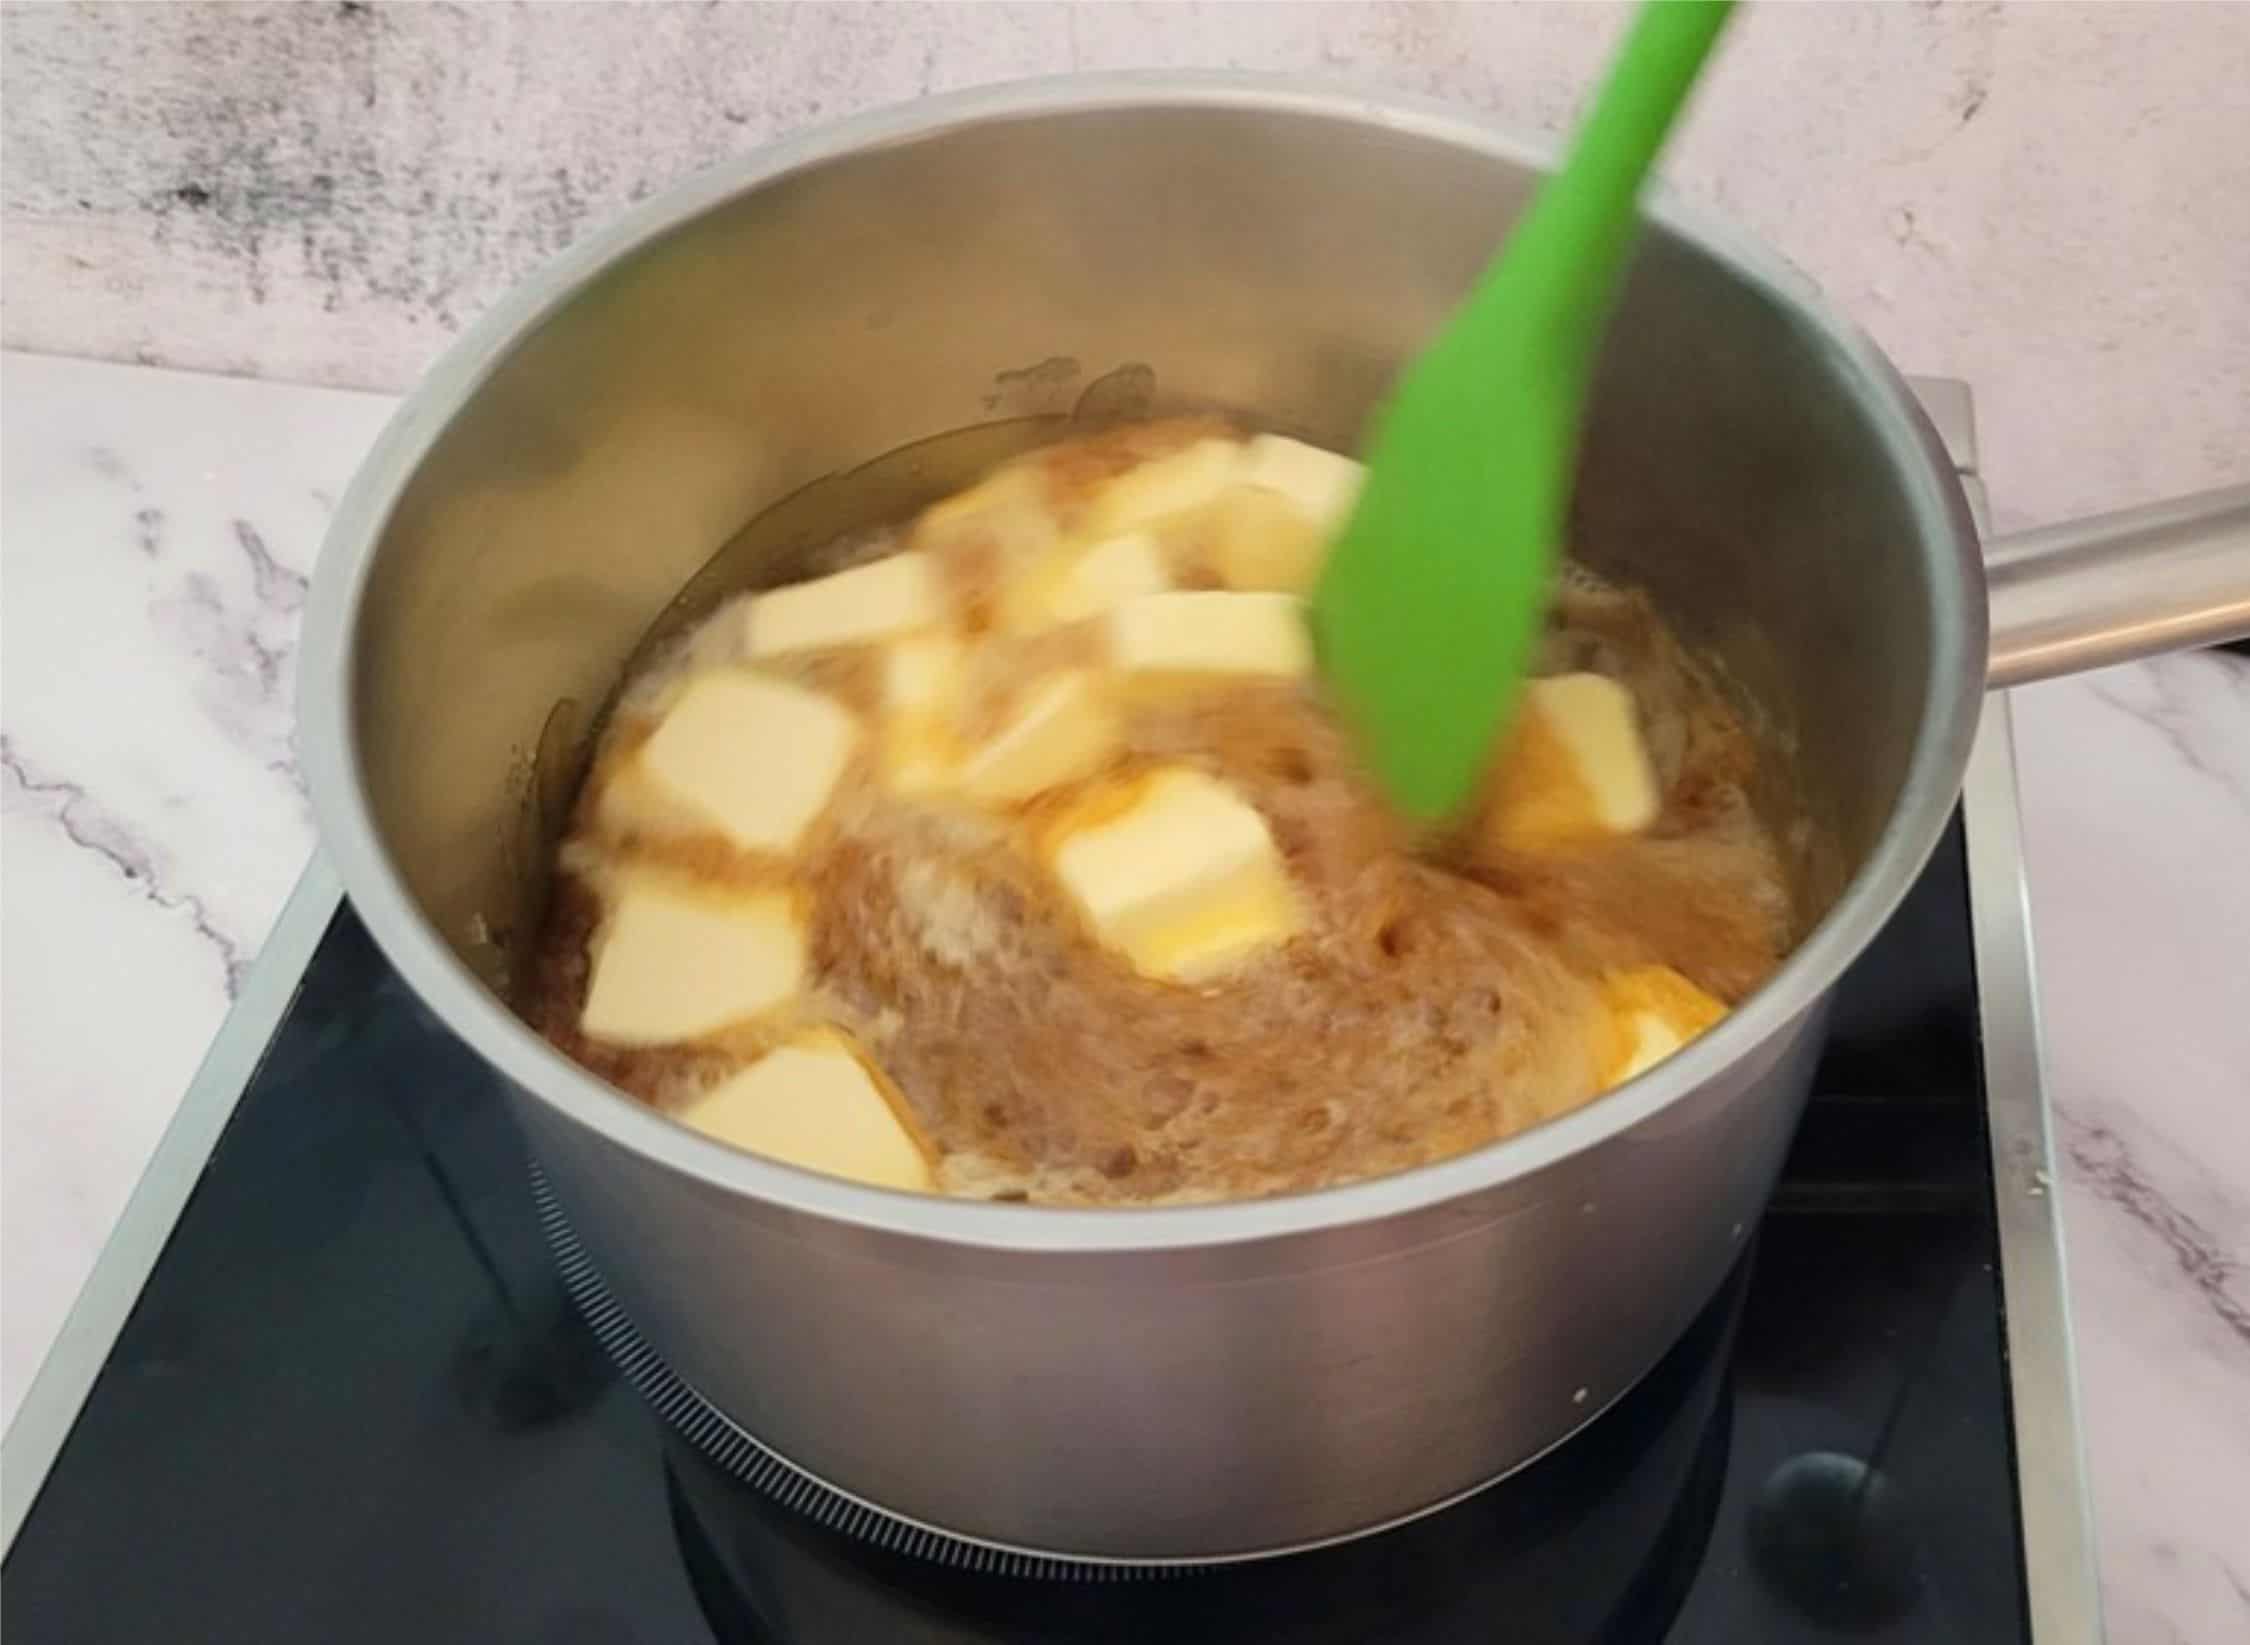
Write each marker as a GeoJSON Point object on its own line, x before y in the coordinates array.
{"type": "Point", "coordinates": [1187, 1383]}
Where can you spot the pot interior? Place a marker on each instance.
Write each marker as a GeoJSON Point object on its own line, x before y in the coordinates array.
{"type": "Point", "coordinates": [716, 384]}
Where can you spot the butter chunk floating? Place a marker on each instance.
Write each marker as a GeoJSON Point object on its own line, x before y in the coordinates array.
{"type": "Point", "coordinates": [627, 802]}
{"type": "Point", "coordinates": [922, 677]}
{"type": "Point", "coordinates": [869, 602]}
{"type": "Point", "coordinates": [815, 1104]}
{"type": "Point", "coordinates": [1575, 767]}
{"type": "Point", "coordinates": [1064, 730]}
{"type": "Point", "coordinates": [754, 757]}
{"type": "Point", "coordinates": [676, 962]}
{"type": "Point", "coordinates": [1165, 487]}
{"type": "Point", "coordinates": [1321, 484]}
{"type": "Point", "coordinates": [1009, 510]}
{"type": "Point", "coordinates": [1261, 541]}
{"type": "Point", "coordinates": [1652, 1012]}
{"type": "Point", "coordinates": [923, 672]}
{"type": "Point", "coordinates": [1186, 882]}
{"type": "Point", "coordinates": [1090, 581]}
{"type": "Point", "coordinates": [1273, 530]}
{"type": "Point", "coordinates": [1202, 632]}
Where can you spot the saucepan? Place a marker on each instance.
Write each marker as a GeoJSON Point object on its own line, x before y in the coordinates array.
{"type": "Point", "coordinates": [1198, 1382]}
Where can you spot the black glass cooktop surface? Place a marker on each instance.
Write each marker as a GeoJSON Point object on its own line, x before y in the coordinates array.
{"type": "Point", "coordinates": [353, 1403]}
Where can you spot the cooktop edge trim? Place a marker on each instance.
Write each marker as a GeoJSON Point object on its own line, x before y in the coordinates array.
{"type": "Point", "coordinates": [2060, 1575]}
{"type": "Point", "coordinates": [66, 1375]}
{"type": "Point", "coordinates": [2061, 1583]}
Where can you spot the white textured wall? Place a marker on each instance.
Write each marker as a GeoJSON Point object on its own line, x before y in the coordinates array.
{"type": "Point", "coordinates": [2052, 201]}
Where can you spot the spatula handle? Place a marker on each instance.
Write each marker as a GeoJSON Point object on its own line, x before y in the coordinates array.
{"type": "Point", "coordinates": [1581, 226]}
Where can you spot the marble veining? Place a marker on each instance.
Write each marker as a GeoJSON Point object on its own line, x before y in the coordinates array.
{"type": "Point", "coordinates": [2045, 200]}
{"type": "Point", "coordinates": [81, 821]}
{"type": "Point", "coordinates": [2136, 799]}
{"type": "Point", "coordinates": [2172, 697]}
{"type": "Point", "coordinates": [159, 529]}
{"type": "Point", "coordinates": [2104, 1162]}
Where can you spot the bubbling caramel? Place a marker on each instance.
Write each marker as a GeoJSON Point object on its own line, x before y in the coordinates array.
{"type": "Point", "coordinates": [1089, 899]}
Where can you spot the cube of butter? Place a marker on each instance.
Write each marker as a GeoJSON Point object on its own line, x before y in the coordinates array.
{"type": "Point", "coordinates": [1186, 882]}
{"type": "Point", "coordinates": [1651, 1011]}
{"type": "Point", "coordinates": [922, 673]}
{"type": "Point", "coordinates": [1261, 541]}
{"type": "Point", "coordinates": [888, 596]}
{"type": "Point", "coordinates": [674, 962]}
{"type": "Point", "coordinates": [754, 757]}
{"type": "Point", "coordinates": [1205, 632]}
{"type": "Point", "coordinates": [1086, 582]}
{"type": "Point", "coordinates": [1574, 767]}
{"type": "Point", "coordinates": [1009, 510]}
{"type": "Point", "coordinates": [1165, 487]}
{"type": "Point", "coordinates": [922, 680]}
{"type": "Point", "coordinates": [627, 803]}
{"type": "Point", "coordinates": [1064, 729]}
{"type": "Point", "coordinates": [1321, 484]}
{"type": "Point", "coordinates": [817, 1105]}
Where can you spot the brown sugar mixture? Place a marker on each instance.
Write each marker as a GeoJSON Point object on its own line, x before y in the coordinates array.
{"type": "Point", "coordinates": [1020, 859]}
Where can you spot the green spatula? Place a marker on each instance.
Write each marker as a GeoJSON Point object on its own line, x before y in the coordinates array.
{"type": "Point", "coordinates": [1432, 597]}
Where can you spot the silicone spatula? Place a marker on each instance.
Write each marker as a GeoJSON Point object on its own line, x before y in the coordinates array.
{"type": "Point", "coordinates": [1433, 594]}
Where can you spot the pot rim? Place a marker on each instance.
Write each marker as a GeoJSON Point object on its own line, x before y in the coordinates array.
{"type": "Point", "coordinates": [329, 743]}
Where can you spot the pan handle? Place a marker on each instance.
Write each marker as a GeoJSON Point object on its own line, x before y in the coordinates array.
{"type": "Point", "coordinates": [2114, 587]}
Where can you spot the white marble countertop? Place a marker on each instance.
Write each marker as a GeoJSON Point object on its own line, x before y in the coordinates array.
{"type": "Point", "coordinates": [158, 528]}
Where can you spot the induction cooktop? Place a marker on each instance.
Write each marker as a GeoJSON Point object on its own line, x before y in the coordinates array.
{"type": "Point", "coordinates": [342, 1375]}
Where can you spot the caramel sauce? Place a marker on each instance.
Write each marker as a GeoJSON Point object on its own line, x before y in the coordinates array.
{"type": "Point", "coordinates": [1443, 994]}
